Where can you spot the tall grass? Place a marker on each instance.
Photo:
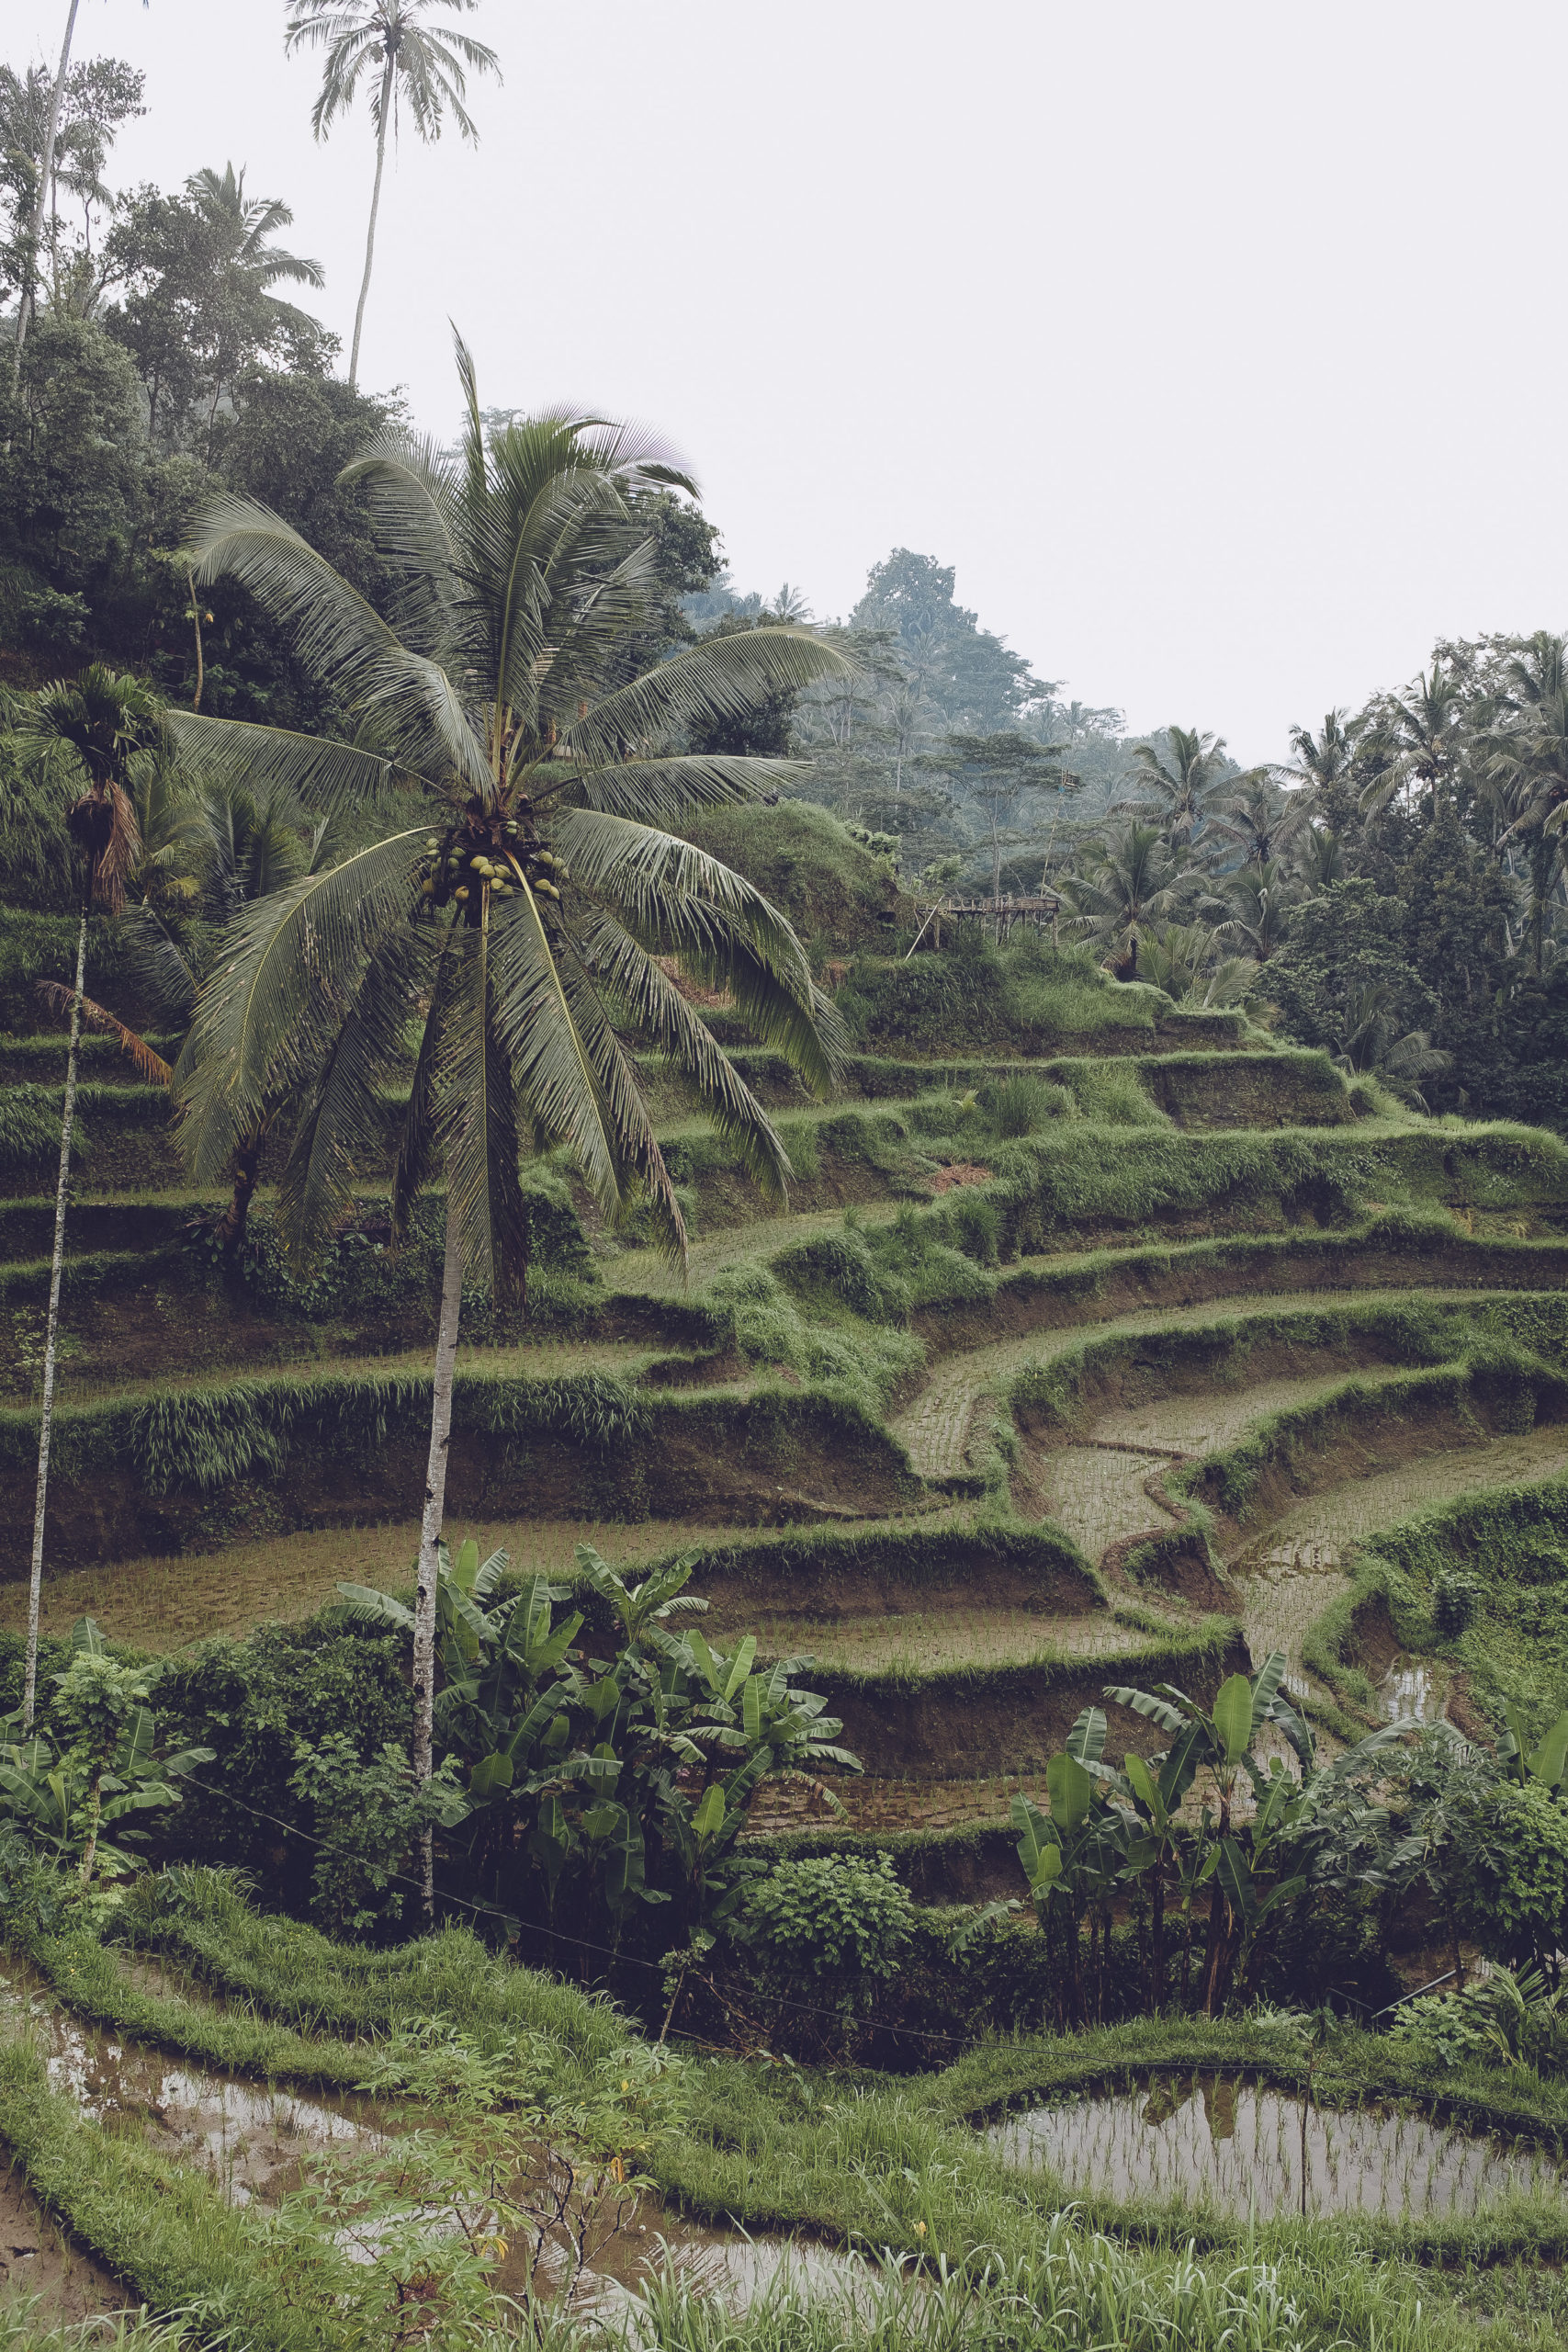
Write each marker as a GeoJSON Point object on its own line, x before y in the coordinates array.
{"type": "Point", "coordinates": [295, 1974]}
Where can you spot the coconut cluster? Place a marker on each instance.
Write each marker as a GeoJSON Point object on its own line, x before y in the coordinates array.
{"type": "Point", "coordinates": [486, 855]}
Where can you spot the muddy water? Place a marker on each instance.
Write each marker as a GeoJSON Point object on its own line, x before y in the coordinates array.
{"type": "Point", "coordinates": [1413, 1692]}
{"type": "Point", "coordinates": [249, 2138]}
{"type": "Point", "coordinates": [1213, 2140]}
{"type": "Point", "coordinates": [254, 2143]}
{"type": "Point", "coordinates": [710, 2261]}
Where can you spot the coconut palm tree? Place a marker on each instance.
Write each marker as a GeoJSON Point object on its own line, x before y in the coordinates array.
{"type": "Point", "coordinates": [1324, 761]}
{"type": "Point", "coordinates": [1369, 1046]}
{"type": "Point", "coordinates": [1254, 909]}
{"type": "Point", "coordinates": [1133, 885]}
{"type": "Point", "coordinates": [251, 266]}
{"type": "Point", "coordinates": [101, 723]}
{"type": "Point", "coordinates": [1420, 732]}
{"type": "Point", "coordinates": [1320, 856]}
{"type": "Point", "coordinates": [417, 68]}
{"type": "Point", "coordinates": [1189, 963]}
{"type": "Point", "coordinates": [1185, 786]}
{"type": "Point", "coordinates": [1260, 817]}
{"type": "Point", "coordinates": [510, 918]}
{"type": "Point", "coordinates": [246, 224]}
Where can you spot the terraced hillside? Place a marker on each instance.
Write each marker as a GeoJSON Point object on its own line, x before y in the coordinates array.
{"type": "Point", "coordinates": [1150, 1344]}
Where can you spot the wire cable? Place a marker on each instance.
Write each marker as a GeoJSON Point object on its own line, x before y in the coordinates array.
{"type": "Point", "coordinates": [510, 1919]}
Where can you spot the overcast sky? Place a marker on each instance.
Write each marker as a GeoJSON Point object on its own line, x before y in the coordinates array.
{"type": "Point", "coordinates": [1219, 346]}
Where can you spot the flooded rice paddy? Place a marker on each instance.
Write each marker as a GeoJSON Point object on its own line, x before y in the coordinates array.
{"type": "Point", "coordinates": [258, 2143]}
{"type": "Point", "coordinates": [251, 2138]}
{"type": "Point", "coordinates": [1240, 2148]}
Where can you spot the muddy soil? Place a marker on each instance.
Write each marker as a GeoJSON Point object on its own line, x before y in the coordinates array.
{"type": "Point", "coordinates": [1351, 1492]}
{"type": "Point", "coordinates": [37, 2259]}
{"type": "Point", "coordinates": [883, 1582]}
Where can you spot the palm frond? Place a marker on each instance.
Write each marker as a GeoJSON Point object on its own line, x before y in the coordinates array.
{"type": "Point", "coordinates": [270, 1014]}
{"type": "Point", "coordinates": [638, 1161]}
{"type": "Point", "coordinates": [342, 640]}
{"type": "Point", "coordinates": [658, 1011]}
{"type": "Point", "coordinates": [722, 676]}
{"type": "Point", "coordinates": [554, 1073]}
{"type": "Point", "coordinates": [476, 1118]}
{"type": "Point", "coordinates": [58, 997]}
{"type": "Point", "coordinates": [415, 1157]}
{"type": "Point", "coordinates": [662, 792]}
{"type": "Point", "coordinates": [344, 1125]}
{"type": "Point", "coordinates": [414, 493]}
{"type": "Point", "coordinates": [156, 965]}
{"type": "Point", "coordinates": [644, 870]}
{"type": "Point", "coordinates": [321, 772]}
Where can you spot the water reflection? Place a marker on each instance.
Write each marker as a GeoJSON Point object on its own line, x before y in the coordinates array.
{"type": "Point", "coordinates": [1217, 2140]}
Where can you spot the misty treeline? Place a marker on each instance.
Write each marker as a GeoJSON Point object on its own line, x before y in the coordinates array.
{"type": "Point", "coordinates": [1395, 893]}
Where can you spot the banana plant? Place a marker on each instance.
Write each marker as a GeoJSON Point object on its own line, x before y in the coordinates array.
{"type": "Point", "coordinates": [463, 1621]}
{"type": "Point", "coordinates": [1544, 1765]}
{"type": "Point", "coordinates": [1221, 1741]}
{"type": "Point", "coordinates": [1155, 1792]}
{"type": "Point", "coordinates": [612, 1746]}
{"type": "Point", "coordinates": [1243, 1872]}
{"type": "Point", "coordinates": [70, 1796]}
{"type": "Point", "coordinates": [1072, 1857]}
{"type": "Point", "coordinates": [1225, 1733]}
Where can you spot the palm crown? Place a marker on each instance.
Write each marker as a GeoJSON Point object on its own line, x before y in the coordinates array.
{"type": "Point", "coordinates": [408, 64]}
{"type": "Point", "coordinates": [247, 223]}
{"type": "Point", "coordinates": [515, 929]}
{"type": "Point", "coordinates": [427, 70]}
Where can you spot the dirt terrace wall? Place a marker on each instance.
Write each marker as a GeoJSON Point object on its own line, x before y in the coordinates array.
{"type": "Point", "coordinates": [1011, 1719]}
{"type": "Point", "coordinates": [355, 1450]}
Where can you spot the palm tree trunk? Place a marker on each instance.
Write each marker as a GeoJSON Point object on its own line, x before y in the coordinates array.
{"type": "Point", "coordinates": [430, 1539]}
{"type": "Point", "coordinates": [35, 1587]}
{"type": "Point", "coordinates": [375, 208]}
{"type": "Point", "coordinates": [247, 1162]}
{"type": "Point", "coordinates": [29, 242]}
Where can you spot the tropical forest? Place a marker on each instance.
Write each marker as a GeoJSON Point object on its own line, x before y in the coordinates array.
{"type": "Point", "coordinates": [783, 1431]}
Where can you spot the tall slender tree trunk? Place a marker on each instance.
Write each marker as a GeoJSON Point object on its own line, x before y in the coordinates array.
{"type": "Point", "coordinates": [195, 624]}
{"type": "Point", "coordinates": [35, 1587]}
{"type": "Point", "coordinates": [375, 206]}
{"type": "Point", "coordinates": [246, 1165]}
{"type": "Point", "coordinates": [430, 1539]}
{"type": "Point", "coordinates": [29, 243]}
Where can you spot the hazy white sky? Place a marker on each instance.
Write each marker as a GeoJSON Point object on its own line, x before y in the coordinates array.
{"type": "Point", "coordinates": [1219, 346]}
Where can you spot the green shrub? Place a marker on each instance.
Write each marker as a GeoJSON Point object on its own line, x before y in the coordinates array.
{"type": "Point", "coordinates": [827, 1932]}
{"type": "Point", "coordinates": [1019, 999]}
{"type": "Point", "coordinates": [770, 1326]}
{"type": "Point", "coordinates": [834, 891]}
{"type": "Point", "coordinates": [253, 1702]}
{"type": "Point", "coordinates": [1454, 1598]}
{"type": "Point", "coordinates": [1515, 1896]}
{"type": "Point", "coordinates": [842, 1266]}
{"type": "Point", "coordinates": [367, 1813]}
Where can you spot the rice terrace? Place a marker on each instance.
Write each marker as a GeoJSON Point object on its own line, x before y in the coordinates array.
{"type": "Point", "coordinates": [784, 1459]}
